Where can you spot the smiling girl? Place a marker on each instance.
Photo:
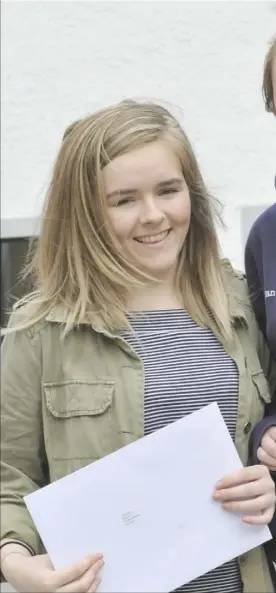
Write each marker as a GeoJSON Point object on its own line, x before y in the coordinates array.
{"type": "Point", "coordinates": [134, 323]}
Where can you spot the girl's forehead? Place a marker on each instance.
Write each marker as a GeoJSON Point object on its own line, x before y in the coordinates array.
{"type": "Point", "coordinates": [154, 160]}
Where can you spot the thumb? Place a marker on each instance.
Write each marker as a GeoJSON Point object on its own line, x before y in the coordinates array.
{"type": "Point", "coordinates": [72, 573]}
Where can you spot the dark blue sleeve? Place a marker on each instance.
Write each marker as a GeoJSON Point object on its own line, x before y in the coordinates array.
{"type": "Point", "coordinates": [259, 251]}
{"type": "Point", "coordinates": [254, 443]}
{"type": "Point", "coordinates": [254, 276]}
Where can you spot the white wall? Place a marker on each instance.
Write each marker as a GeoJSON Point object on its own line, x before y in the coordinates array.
{"type": "Point", "coordinates": [62, 60]}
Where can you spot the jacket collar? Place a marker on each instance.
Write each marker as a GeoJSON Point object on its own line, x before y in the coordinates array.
{"type": "Point", "coordinates": [239, 303]}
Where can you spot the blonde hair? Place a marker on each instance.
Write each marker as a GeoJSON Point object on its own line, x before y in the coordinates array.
{"type": "Point", "coordinates": [75, 262]}
{"type": "Point", "coordinates": [267, 86]}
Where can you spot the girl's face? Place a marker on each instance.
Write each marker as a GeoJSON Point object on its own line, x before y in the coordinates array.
{"type": "Point", "coordinates": [149, 207]}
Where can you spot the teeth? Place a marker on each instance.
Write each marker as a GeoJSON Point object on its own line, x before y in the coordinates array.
{"type": "Point", "coordinates": [153, 238]}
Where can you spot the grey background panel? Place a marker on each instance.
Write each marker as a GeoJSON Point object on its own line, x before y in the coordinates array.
{"type": "Point", "coordinates": [13, 258]}
{"type": "Point", "coordinates": [6, 588]}
{"type": "Point", "coordinates": [13, 228]}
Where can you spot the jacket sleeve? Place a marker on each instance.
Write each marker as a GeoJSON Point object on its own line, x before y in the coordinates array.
{"type": "Point", "coordinates": [23, 459]}
{"type": "Point", "coordinates": [253, 255]}
{"type": "Point", "coordinates": [268, 365]}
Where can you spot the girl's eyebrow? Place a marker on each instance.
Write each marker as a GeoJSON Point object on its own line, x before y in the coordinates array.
{"type": "Point", "coordinates": [121, 192]}
{"type": "Point", "coordinates": [126, 192]}
{"type": "Point", "coordinates": [173, 181]}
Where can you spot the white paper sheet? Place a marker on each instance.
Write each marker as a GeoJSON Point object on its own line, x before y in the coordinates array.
{"type": "Point", "coordinates": [148, 509]}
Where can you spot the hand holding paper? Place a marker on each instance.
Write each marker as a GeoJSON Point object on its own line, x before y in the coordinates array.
{"type": "Point", "coordinates": [150, 505]}
{"type": "Point", "coordinates": [250, 491]}
{"type": "Point", "coordinates": [35, 574]}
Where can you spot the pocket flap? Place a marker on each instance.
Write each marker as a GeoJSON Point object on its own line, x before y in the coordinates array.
{"type": "Point", "coordinates": [261, 383]}
{"type": "Point", "coordinates": [65, 399]}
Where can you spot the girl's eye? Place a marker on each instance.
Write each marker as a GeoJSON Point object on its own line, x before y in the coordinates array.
{"type": "Point", "coordinates": [170, 190]}
{"type": "Point", "coordinates": [124, 201]}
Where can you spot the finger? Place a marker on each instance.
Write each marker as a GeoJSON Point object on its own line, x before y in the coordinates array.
{"type": "Point", "coordinates": [266, 459]}
{"type": "Point", "coordinates": [269, 445]}
{"type": "Point", "coordinates": [260, 519]}
{"type": "Point", "coordinates": [240, 476]}
{"type": "Point", "coordinates": [271, 468]}
{"type": "Point", "coordinates": [68, 575]}
{"type": "Point", "coordinates": [83, 584]}
{"type": "Point", "coordinates": [244, 491]}
{"type": "Point", "coordinates": [256, 505]}
{"type": "Point", "coordinates": [94, 586]}
{"type": "Point", "coordinates": [272, 432]}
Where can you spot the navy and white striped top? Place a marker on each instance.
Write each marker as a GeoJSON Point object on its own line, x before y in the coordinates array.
{"type": "Point", "coordinates": [185, 369]}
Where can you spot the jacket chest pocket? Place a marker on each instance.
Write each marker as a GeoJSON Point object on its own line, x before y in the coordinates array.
{"type": "Point", "coordinates": [79, 419]}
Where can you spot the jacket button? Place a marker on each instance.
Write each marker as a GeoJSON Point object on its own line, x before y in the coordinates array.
{"type": "Point", "coordinates": [247, 427]}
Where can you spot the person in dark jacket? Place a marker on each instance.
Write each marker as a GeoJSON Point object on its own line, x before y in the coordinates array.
{"type": "Point", "coordinates": [260, 267]}
{"type": "Point", "coordinates": [260, 264]}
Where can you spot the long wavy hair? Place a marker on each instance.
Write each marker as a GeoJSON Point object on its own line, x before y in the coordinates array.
{"type": "Point", "coordinates": [75, 263]}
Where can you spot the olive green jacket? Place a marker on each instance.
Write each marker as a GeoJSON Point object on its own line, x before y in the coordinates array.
{"type": "Point", "coordinates": [66, 403]}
